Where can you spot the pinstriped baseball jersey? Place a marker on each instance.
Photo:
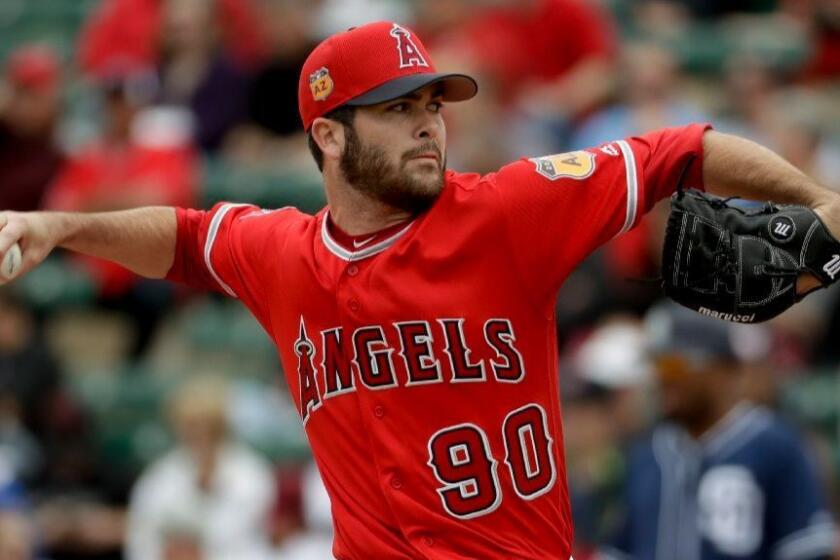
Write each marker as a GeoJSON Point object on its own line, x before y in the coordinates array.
{"type": "Point", "coordinates": [423, 364]}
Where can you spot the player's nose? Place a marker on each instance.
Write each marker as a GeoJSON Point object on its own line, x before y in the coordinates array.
{"type": "Point", "coordinates": [428, 128]}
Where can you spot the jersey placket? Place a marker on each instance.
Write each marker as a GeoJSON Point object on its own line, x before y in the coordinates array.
{"type": "Point", "coordinates": [373, 402]}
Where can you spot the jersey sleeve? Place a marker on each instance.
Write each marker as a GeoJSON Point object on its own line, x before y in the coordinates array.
{"type": "Point", "coordinates": [222, 250]}
{"type": "Point", "coordinates": [799, 526]}
{"type": "Point", "coordinates": [560, 208]}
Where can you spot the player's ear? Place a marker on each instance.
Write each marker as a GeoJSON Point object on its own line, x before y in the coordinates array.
{"type": "Point", "coordinates": [329, 135]}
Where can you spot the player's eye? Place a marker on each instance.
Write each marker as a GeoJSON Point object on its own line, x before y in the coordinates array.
{"type": "Point", "coordinates": [399, 107]}
{"type": "Point", "coordinates": [436, 106]}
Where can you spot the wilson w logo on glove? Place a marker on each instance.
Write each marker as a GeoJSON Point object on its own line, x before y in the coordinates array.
{"type": "Point", "coordinates": [741, 263]}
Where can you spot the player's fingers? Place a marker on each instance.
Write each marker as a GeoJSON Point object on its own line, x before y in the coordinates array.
{"type": "Point", "coordinates": [7, 218]}
{"type": "Point", "coordinates": [9, 235]}
{"type": "Point", "coordinates": [807, 283]}
{"type": "Point", "coordinates": [4, 220]}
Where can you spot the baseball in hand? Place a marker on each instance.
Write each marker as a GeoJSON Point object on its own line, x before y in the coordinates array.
{"type": "Point", "coordinates": [11, 263]}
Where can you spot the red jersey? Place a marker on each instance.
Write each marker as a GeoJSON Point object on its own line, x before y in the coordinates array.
{"type": "Point", "coordinates": [424, 365]}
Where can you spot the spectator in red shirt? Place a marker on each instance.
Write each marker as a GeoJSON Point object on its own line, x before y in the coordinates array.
{"type": "Point", "coordinates": [141, 158]}
{"type": "Point", "coordinates": [556, 52]}
{"type": "Point", "coordinates": [546, 63]}
{"type": "Point", "coordinates": [821, 19]}
{"type": "Point", "coordinates": [29, 158]}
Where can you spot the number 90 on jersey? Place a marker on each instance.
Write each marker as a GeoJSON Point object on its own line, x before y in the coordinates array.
{"type": "Point", "coordinates": [463, 462]}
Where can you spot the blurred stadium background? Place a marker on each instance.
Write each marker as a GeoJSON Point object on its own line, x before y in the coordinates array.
{"type": "Point", "coordinates": [109, 104]}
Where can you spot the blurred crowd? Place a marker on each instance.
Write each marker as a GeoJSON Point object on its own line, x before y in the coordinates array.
{"type": "Point", "coordinates": [141, 420]}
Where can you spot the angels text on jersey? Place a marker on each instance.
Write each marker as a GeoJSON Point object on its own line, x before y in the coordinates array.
{"type": "Point", "coordinates": [334, 361]}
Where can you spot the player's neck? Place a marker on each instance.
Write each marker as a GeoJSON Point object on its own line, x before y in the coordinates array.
{"type": "Point", "coordinates": [716, 413]}
{"type": "Point", "coordinates": [357, 214]}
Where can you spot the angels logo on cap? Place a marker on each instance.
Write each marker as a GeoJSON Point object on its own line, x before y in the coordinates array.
{"type": "Point", "coordinates": [410, 55]}
{"type": "Point", "coordinates": [371, 64]}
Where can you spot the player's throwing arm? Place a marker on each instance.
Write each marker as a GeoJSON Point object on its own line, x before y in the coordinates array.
{"type": "Point", "coordinates": [142, 240]}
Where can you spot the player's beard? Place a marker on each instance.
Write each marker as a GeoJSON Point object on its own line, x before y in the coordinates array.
{"type": "Point", "coordinates": [369, 171]}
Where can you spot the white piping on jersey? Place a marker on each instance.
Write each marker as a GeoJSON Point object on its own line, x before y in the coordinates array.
{"type": "Point", "coordinates": [815, 540]}
{"type": "Point", "coordinates": [610, 553]}
{"type": "Point", "coordinates": [740, 425]}
{"type": "Point", "coordinates": [727, 427]}
{"type": "Point", "coordinates": [350, 256]}
{"type": "Point", "coordinates": [260, 212]}
{"type": "Point", "coordinates": [632, 185]}
{"type": "Point", "coordinates": [215, 223]}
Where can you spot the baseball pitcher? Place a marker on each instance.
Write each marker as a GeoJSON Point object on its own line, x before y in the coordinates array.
{"type": "Point", "coordinates": [413, 315]}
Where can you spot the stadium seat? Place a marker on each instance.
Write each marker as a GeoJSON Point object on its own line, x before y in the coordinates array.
{"type": "Point", "coordinates": [225, 181]}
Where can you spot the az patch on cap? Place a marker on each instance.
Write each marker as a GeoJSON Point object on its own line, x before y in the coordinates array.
{"type": "Point", "coordinates": [321, 84]}
{"type": "Point", "coordinates": [572, 165]}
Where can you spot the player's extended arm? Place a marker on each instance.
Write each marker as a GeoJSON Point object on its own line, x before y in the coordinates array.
{"type": "Point", "coordinates": [734, 166]}
{"type": "Point", "coordinates": [142, 239]}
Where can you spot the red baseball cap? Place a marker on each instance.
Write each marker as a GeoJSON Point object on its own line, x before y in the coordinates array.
{"type": "Point", "coordinates": [34, 67]}
{"type": "Point", "coordinates": [370, 64]}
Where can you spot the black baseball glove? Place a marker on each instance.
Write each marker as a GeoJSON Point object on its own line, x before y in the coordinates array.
{"type": "Point", "coordinates": [727, 259]}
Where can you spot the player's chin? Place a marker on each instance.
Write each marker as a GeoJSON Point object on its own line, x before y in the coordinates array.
{"type": "Point", "coordinates": [671, 406]}
{"type": "Point", "coordinates": [428, 191]}
{"type": "Point", "coordinates": [425, 174]}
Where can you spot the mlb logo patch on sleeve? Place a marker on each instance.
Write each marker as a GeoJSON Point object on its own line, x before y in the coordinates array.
{"type": "Point", "coordinates": [572, 165]}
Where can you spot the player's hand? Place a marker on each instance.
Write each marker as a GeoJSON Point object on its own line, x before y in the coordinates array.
{"type": "Point", "coordinates": [32, 231]}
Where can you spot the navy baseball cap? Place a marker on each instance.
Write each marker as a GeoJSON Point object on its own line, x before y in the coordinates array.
{"type": "Point", "coordinates": [674, 329]}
